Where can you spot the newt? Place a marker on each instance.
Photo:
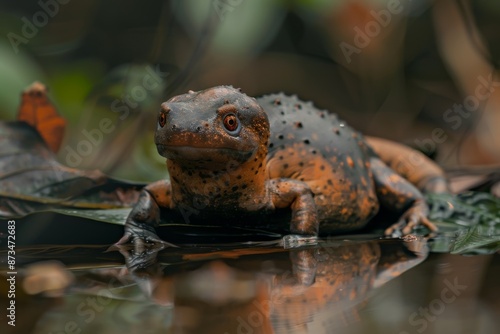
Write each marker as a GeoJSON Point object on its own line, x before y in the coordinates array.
{"type": "Point", "coordinates": [232, 157]}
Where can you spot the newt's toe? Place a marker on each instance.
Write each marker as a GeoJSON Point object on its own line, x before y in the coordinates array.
{"type": "Point", "coordinates": [413, 217]}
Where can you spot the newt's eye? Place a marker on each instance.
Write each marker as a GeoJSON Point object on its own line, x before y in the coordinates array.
{"type": "Point", "coordinates": [231, 123]}
{"type": "Point", "coordinates": [162, 119]}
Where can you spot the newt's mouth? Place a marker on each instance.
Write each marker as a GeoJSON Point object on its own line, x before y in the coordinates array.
{"type": "Point", "coordinates": [203, 155]}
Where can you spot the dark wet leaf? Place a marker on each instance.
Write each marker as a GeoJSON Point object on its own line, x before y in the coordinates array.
{"type": "Point", "coordinates": [74, 226]}
{"type": "Point", "coordinates": [32, 180]}
{"type": "Point", "coordinates": [112, 216]}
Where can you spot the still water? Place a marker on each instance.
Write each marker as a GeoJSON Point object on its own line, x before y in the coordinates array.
{"type": "Point", "coordinates": [348, 284]}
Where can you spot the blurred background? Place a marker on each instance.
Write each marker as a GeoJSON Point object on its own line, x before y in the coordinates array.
{"type": "Point", "coordinates": [419, 72]}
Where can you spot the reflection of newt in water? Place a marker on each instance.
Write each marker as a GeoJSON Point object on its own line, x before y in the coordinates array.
{"type": "Point", "coordinates": [240, 291]}
{"type": "Point", "coordinates": [235, 158]}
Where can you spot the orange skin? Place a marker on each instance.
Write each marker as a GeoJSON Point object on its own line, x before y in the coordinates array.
{"type": "Point", "coordinates": [238, 160]}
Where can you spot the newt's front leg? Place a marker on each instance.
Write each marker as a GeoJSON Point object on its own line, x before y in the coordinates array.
{"type": "Point", "coordinates": [145, 216]}
{"type": "Point", "coordinates": [298, 196]}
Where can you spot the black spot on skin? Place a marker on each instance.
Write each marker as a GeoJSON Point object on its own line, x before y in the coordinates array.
{"type": "Point", "coordinates": [301, 164]}
{"type": "Point", "coordinates": [284, 122]}
{"type": "Point", "coordinates": [255, 159]}
{"type": "Point", "coordinates": [307, 142]}
{"type": "Point", "coordinates": [282, 112]}
{"type": "Point", "coordinates": [301, 179]}
{"type": "Point", "coordinates": [234, 188]}
{"type": "Point", "coordinates": [336, 131]}
{"type": "Point", "coordinates": [314, 152]}
{"type": "Point", "coordinates": [280, 157]}
{"type": "Point", "coordinates": [271, 145]}
{"type": "Point", "coordinates": [285, 166]}
{"type": "Point", "coordinates": [322, 167]}
{"type": "Point", "coordinates": [238, 177]}
{"type": "Point", "coordinates": [298, 106]}
{"type": "Point", "coordinates": [330, 182]}
{"type": "Point", "coordinates": [243, 186]}
{"type": "Point", "coordinates": [260, 165]}
{"type": "Point", "coordinates": [322, 115]}
{"type": "Point", "coordinates": [256, 172]}
{"type": "Point", "coordinates": [298, 125]}
{"type": "Point", "coordinates": [277, 102]}
{"type": "Point", "coordinates": [280, 137]}
{"type": "Point", "coordinates": [204, 175]}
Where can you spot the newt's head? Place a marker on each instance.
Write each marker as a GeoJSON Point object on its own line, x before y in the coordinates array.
{"type": "Point", "coordinates": [211, 128]}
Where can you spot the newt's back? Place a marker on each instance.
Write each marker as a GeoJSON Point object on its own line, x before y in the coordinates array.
{"type": "Point", "coordinates": [314, 146]}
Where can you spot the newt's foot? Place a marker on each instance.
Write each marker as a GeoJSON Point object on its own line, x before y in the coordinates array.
{"type": "Point", "coordinates": [413, 217]}
{"type": "Point", "coordinates": [295, 240]}
{"type": "Point", "coordinates": [143, 239]}
{"type": "Point", "coordinates": [144, 262]}
{"type": "Point", "coordinates": [146, 245]}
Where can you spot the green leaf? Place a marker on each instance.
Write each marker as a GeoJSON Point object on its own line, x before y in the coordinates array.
{"type": "Point", "coordinates": [112, 216]}
{"type": "Point", "coordinates": [469, 223]}
{"type": "Point", "coordinates": [477, 240]}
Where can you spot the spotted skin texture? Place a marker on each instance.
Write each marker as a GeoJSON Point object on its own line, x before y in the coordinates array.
{"type": "Point", "coordinates": [233, 158]}
{"type": "Point", "coordinates": [315, 147]}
